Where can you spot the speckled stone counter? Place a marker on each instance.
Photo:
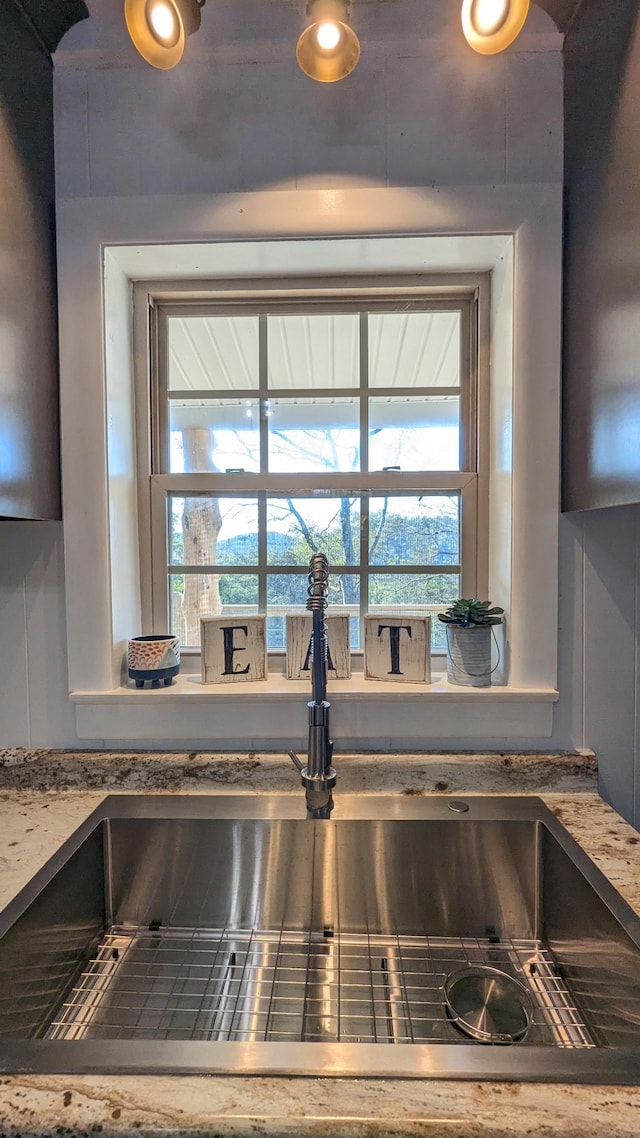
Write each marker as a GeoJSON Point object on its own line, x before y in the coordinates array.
{"type": "Point", "coordinates": [45, 795]}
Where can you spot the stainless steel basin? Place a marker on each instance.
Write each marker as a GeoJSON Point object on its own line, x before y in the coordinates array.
{"type": "Point", "coordinates": [220, 934]}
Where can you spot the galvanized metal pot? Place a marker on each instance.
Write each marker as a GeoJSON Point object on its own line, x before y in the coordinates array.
{"type": "Point", "coordinates": [469, 655]}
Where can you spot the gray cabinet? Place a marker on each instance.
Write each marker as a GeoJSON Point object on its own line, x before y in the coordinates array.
{"type": "Point", "coordinates": [29, 460]}
{"type": "Point", "coordinates": [601, 402]}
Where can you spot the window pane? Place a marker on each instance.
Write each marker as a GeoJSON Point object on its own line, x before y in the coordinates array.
{"type": "Point", "coordinates": [193, 595]}
{"type": "Point", "coordinates": [213, 352]}
{"type": "Point", "coordinates": [214, 435]}
{"type": "Point", "coordinates": [414, 434]}
{"type": "Point", "coordinates": [307, 435]}
{"type": "Point", "coordinates": [276, 630]}
{"type": "Point", "coordinates": [213, 531]}
{"type": "Point", "coordinates": [420, 530]}
{"type": "Point", "coordinates": [414, 595]}
{"type": "Point", "coordinates": [414, 349]}
{"type": "Point", "coordinates": [296, 527]}
{"type": "Point", "coordinates": [239, 594]}
{"type": "Point", "coordinates": [344, 599]}
{"type": "Point", "coordinates": [287, 593]}
{"type": "Point", "coordinates": [314, 350]}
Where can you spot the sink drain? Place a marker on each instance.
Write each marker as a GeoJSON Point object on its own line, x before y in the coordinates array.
{"type": "Point", "coordinates": [488, 1005]}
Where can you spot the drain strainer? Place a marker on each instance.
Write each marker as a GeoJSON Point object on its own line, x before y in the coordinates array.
{"type": "Point", "coordinates": [487, 1004]}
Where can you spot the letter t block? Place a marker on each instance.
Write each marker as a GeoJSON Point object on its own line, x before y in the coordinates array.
{"type": "Point", "coordinates": [398, 648]}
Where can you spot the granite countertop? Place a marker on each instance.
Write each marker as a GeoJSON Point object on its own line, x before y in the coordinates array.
{"type": "Point", "coordinates": [44, 796]}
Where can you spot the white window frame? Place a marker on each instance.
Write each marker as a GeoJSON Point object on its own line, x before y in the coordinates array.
{"type": "Point", "coordinates": [468, 294]}
{"type": "Point", "coordinates": [514, 232]}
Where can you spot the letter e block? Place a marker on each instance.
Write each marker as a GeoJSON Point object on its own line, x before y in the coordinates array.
{"type": "Point", "coordinates": [233, 649]}
{"type": "Point", "coordinates": [398, 648]}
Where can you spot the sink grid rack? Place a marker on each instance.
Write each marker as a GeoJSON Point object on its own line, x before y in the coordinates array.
{"type": "Point", "coordinates": [284, 986]}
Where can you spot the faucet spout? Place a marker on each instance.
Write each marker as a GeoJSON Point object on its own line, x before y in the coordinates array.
{"type": "Point", "coordinates": [318, 776]}
{"type": "Point", "coordinates": [317, 601]}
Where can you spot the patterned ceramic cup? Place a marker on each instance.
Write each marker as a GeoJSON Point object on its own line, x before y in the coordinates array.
{"type": "Point", "coordinates": [154, 658]}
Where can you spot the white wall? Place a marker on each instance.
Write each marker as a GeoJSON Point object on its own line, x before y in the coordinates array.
{"type": "Point", "coordinates": [238, 115]}
{"type": "Point", "coordinates": [420, 109]}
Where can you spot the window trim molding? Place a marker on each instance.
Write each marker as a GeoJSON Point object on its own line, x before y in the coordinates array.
{"type": "Point", "coordinates": [106, 244]}
{"type": "Point", "coordinates": [468, 293]}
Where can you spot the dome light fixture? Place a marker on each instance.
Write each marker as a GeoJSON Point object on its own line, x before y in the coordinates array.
{"type": "Point", "coordinates": [329, 48]}
{"type": "Point", "coordinates": [489, 26]}
{"type": "Point", "coordinates": [158, 28]}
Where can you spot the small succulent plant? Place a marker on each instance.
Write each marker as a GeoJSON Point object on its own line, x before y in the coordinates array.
{"type": "Point", "coordinates": [469, 613]}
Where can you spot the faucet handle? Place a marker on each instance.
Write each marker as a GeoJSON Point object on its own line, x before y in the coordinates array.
{"type": "Point", "coordinates": [295, 760]}
{"type": "Point", "coordinates": [320, 782]}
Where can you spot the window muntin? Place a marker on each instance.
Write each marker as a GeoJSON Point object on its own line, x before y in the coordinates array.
{"type": "Point", "coordinates": [339, 455]}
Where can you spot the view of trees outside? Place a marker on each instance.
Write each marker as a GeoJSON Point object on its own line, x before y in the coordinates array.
{"type": "Point", "coordinates": [403, 531]}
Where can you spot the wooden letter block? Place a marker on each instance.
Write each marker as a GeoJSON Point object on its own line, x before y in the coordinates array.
{"type": "Point", "coordinates": [299, 629]}
{"type": "Point", "coordinates": [233, 649]}
{"type": "Point", "coordinates": [398, 648]}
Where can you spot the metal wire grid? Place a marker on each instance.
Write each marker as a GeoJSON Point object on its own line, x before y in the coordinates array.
{"type": "Point", "coordinates": [34, 979]}
{"type": "Point", "coordinates": [252, 985]}
{"type": "Point", "coordinates": [607, 988]}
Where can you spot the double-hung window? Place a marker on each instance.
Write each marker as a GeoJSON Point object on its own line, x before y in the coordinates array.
{"type": "Point", "coordinates": [292, 417]}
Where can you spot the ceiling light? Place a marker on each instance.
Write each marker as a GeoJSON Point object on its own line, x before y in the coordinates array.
{"type": "Point", "coordinates": [328, 35]}
{"type": "Point", "coordinates": [489, 26]}
{"type": "Point", "coordinates": [329, 48]}
{"type": "Point", "coordinates": [158, 28]}
{"type": "Point", "coordinates": [163, 22]}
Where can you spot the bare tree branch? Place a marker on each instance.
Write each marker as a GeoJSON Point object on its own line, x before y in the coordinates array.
{"type": "Point", "coordinates": [304, 529]}
{"type": "Point", "coordinates": [383, 518]}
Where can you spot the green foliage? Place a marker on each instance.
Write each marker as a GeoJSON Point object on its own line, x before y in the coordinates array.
{"type": "Point", "coordinates": [469, 613]}
{"type": "Point", "coordinates": [236, 589]}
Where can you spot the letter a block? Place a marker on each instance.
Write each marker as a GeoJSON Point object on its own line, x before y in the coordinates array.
{"type": "Point", "coordinates": [299, 629]}
{"type": "Point", "coordinates": [398, 648]}
{"type": "Point", "coordinates": [233, 649]}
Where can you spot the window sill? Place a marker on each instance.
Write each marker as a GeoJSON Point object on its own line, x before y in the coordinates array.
{"type": "Point", "coordinates": [274, 714]}
{"type": "Point", "coordinates": [189, 688]}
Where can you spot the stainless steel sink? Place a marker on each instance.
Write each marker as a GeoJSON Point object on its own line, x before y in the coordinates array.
{"type": "Point", "coordinates": [223, 934]}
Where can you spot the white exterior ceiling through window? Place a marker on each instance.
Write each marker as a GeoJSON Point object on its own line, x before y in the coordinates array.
{"type": "Point", "coordinates": [220, 353]}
